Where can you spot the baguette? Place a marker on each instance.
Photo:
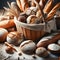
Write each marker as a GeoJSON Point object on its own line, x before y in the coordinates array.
{"type": "Point", "coordinates": [38, 1]}
{"type": "Point", "coordinates": [48, 6]}
{"type": "Point", "coordinates": [33, 4]}
{"type": "Point", "coordinates": [49, 41]}
{"type": "Point", "coordinates": [7, 23]}
{"type": "Point", "coordinates": [52, 12]}
{"type": "Point", "coordinates": [19, 4]}
{"type": "Point", "coordinates": [42, 3]}
{"type": "Point", "coordinates": [23, 4]}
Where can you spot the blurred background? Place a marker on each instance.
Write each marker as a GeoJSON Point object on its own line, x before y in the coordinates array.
{"type": "Point", "coordinates": [4, 2]}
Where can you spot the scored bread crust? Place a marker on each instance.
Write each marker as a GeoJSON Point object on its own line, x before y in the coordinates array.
{"type": "Point", "coordinates": [48, 6]}
{"type": "Point", "coordinates": [23, 4]}
{"type": "Point", "coordinates": [52, 12]}
{"type": "Point", "coordinates": [47, 42]}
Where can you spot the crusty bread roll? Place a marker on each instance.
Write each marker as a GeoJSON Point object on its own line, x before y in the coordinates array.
{"type": "Point", "coordinates": [14, 38]}
{"type": "Point", "coordinates": [54, 48]}
{"type": "Point", "coordinates": [48, 6]}
{"type": "Point", "coordinates": [3, 34]}
{"type": "Point", "coordinates": [53, 11]}
{"type": "Point", "coordinates": [28, 47]}
{"type": "Point", "coordinates": [7, 23]}
{"type": "Point", "coordinates": [42, 52]}
{"type": "Point", "coordinates": [49, 41]}
{"type": "Point", "coordinates": [31, 11]}
{"type": "Point", "coordinates": [31, 19]}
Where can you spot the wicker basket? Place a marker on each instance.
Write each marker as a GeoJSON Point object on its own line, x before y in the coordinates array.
{"type": "Point", "coordinates": [32, 31]}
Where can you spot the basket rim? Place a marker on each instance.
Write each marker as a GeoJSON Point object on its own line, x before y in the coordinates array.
{"type": "Point", "coordinates": [28, 24]}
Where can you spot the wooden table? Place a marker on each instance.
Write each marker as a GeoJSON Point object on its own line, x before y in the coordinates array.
{"type": "Point", "coordinates": [15, 56]}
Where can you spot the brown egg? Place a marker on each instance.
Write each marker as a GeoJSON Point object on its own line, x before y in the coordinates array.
{"type": "Point", "coordinates": [14, 38]}
{"type": "Point", "coordinates": [3, 34]}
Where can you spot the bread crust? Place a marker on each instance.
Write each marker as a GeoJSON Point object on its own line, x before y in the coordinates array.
{"type": "Point", "coordinates": [52, 12]}
{"type": "Point", "coordinates": [7, 24]}
{"type": "Point", "coordinates": [47, 42]}
{"type": "Point", "coordinates": [48, 6]}
{"type": "Point", "coordinates": [23, 4]}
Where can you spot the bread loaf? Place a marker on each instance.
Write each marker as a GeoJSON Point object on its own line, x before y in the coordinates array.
{"type": "Point", "coordinates": [19, 4]}
{"type": "Point", "coordinates": [48, 6]}
{"type": "Point", "coordinates": [3, 34]}
{"type": "Point", "coordinates": [7, 23]}
{"type": "Point", "coordinates": [47, 42]}
{"type": "Point", "coordinates": [28, 47]}
{"type": "Point", "coordinates": [23, 4]}
{"type": "Point", "coordinates": [52, 12]}
{"type": "Point", "coordinates": [42, 3]}
{"type": "Point", "coordinates": [54, 48]}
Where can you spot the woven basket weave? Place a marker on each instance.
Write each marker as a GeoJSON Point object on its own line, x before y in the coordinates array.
{"type": "Point", "coordinates": [33, 31]}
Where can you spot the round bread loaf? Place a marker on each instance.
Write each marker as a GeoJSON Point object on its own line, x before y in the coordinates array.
{"type": "Point", "coordinates": [22, 18]}
{"type": "Point", "coordinates": [31, 11]}
{"type": "Point", "coordinates": [54, 48]}
{"type": "Point", "coordinates": [28, 47]}
{"type": "Point", "coordinates": [31, 19]}
{"type": "Point", "coordinates": [14, 38]}
{"type": "Point", "coordinates": [42, 52]}
{"type": "Point", "coordinates": [3, 34]}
